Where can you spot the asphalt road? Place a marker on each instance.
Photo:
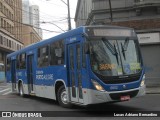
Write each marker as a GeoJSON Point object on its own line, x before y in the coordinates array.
{"type": "Point", "coordinates": [12, 102]}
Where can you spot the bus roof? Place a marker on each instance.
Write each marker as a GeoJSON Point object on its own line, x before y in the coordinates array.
{"type": "Point", "coordinates": [70, 33]}
{"type": "Point", "coordinates": [55, 38]}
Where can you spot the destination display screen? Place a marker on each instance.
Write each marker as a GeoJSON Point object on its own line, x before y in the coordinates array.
{"type": "Point", "coordinates": [110, 32]}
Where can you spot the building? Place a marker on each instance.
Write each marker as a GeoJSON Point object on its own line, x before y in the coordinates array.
{"type": "Point", "coordinates": [10, 27]}
{"type": "Point", "coordinates": [31, 26]}
{"type": "Point", "coordinates": [25, 12]}
{"type": "Point", "coordinates": [143, 15]}
{"type": "Point", "coordinates": [34, 15]}
{"type": "Point", "coordinates": [15, 33]}
{"type": "Point", "coordinates": [30, 35]}
{"type": "Point", "coordinates": [35, 19]}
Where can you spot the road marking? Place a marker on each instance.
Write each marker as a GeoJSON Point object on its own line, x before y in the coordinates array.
{"type": "Point", "coordinates": [3, 86]}
{"type": "Point", "coordinates": [7, 93]}
{"type": "Point", "coordinates": [4, 90]}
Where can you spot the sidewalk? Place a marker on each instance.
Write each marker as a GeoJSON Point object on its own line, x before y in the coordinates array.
{"type": "Point", "coordinates": [153, 90]}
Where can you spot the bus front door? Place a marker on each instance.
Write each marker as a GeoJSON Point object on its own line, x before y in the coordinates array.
{"type": "Point", "coordinates": [30, 74]}
{"type": "Point", "coordinates": [75, 75]}
{"type": "Point", "coordinates": [13, 74]}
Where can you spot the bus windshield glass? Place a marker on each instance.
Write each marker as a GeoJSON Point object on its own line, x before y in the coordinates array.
{"type": "Point", "coordinates": [115, 57]}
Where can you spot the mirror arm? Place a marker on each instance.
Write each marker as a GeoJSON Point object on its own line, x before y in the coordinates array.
{"type": "Point", "coordinates": [85, 35]}
{"type": "Point", "coordinates": [86, 44]}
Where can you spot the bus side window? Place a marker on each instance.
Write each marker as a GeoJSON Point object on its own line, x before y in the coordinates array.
{"type": "Point", "coordinates": [8, 64]}
{"type": "Point", "coordinates": [22, 61]}
{"type": "Point", "coordinates": [57, 53]}
{"type": "Point", "coordinates": [43, 58]}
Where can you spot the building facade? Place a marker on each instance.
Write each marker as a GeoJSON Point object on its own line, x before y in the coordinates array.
{"type": "Point", "coordinates": [15, 33]}
{"type": "Point", "coordinates": [142, 15]}
{"type": "Point", "coordinates": [30, 35]}
{"type": "Point", "coordinates": [32, 32]}
{"type": "Point", "coordinates": [10, 27]}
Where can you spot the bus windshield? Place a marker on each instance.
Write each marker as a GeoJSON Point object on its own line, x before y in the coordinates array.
{"type": "Point", "coordinates": [115, 57]}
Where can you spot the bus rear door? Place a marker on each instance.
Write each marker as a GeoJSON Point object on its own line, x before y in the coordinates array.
{"type": "Point", "coordinates": [30, 74]}
{"type": "Point", "coordinates": [75, 75]}
{"type": "Point", "coordinates": [13, 74]}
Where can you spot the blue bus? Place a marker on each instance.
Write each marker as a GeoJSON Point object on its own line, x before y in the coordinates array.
{"type": "Point", "coordinates": [87, 65]}
{"type": "Point", "coordinates": [2, 73]}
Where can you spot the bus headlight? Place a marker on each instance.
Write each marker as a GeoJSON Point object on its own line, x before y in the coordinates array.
{"type": "Point", "coordinates": [143, 80]}
{"type": "Point", "coordinates": [97, 86]}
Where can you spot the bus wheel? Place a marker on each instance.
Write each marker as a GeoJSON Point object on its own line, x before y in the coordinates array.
{"type": "Point", "coordinates": [62, 97]}
{"type": "Point", "coordinates": [21, 91]}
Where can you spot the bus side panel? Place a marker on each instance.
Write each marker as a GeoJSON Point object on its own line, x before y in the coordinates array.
{"type": "Point", "coordinates": [22, 76]}
{"type": "Point", "coordinates": [8, 79]}
{"type": "Point", "coordinates": [8, 76]}
{"type": "Point", "coordinates": [45, 77]}
{"type": "Point", "coordinates": [45, 80]}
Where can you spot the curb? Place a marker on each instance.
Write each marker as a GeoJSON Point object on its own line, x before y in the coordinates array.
{"type": "Point", "coordinates": [152, 93]}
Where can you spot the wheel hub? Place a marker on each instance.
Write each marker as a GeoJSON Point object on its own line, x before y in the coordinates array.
{"type": "Point", "coordinates": [21, 91]}
{"type": "Point", "coordinates": [64, 97]}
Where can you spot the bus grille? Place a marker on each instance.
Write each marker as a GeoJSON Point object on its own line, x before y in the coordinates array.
{"type": "Point", "coordinates": [117, 80]}
{"type": "Point", "coordinates": [116, 96]}
{"type": "Point", "coordinates": [122, 80]}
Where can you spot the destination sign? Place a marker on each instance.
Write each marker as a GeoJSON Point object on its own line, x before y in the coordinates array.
{"type": "Point", "coordinates": [113, 32]}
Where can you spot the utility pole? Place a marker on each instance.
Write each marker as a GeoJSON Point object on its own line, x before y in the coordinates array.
{"type": "Point", "coordinates": [69, 17]}
{"type": "Point", "coordinates": [110, 6]}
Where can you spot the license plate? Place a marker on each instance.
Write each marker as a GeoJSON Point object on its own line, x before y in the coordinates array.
{"type": "Point", "coordinates": [125, 98]}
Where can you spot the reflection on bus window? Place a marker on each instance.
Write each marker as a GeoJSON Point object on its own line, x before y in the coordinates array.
{"type": "Point", "coordinates": [43, 59]}
{"type": "Point", "coordinates": [57, 53]}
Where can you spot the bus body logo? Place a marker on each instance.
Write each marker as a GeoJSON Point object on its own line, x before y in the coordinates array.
{"type": "Point", "coordinates": [40, 75]}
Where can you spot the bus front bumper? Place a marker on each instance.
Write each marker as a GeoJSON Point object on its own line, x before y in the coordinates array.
{"type": "Point", "coordinates": [95, 97]}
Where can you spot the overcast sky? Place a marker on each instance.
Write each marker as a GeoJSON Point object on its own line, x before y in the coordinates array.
{"type": "Point", "coordinates": [54, 11]}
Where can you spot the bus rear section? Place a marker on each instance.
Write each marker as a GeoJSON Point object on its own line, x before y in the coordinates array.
{"type": "Point", "coordinates": [115, 65]}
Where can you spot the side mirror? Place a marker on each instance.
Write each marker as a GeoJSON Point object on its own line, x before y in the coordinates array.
{"type": "Point", "coordinates": [86, 47]}
{"type": "Point", "coordinates": [86, 44]}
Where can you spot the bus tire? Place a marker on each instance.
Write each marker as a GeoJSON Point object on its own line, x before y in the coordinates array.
{"type": "Point", "coordinates": [21, 91]}
{"type": "Point", "coordinates": [62, 97]}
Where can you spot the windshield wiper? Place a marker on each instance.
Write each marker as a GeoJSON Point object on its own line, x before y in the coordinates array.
{"type": "Point", "coordinates": [126, 44]}
{"type": "Point", "coordinates": [124, 47]}
{"type": "Point", "coordinates": [112, 48]}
